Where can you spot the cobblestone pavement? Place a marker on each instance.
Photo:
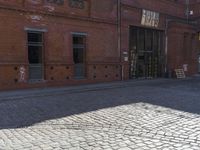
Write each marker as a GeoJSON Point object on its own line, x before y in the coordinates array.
{"type": "Point", "coordinates": [140, 115]}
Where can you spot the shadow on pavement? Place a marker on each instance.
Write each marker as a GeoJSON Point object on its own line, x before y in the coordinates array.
{"type": "Point", "coordinates": [181, 95]}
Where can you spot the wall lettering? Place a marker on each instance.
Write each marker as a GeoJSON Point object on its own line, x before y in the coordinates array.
{"type": "Point", "coordinates": [150, 18]}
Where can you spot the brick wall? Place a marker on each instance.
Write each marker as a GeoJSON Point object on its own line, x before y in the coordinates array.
{"type": "Point", "coordinates": [98, 20]}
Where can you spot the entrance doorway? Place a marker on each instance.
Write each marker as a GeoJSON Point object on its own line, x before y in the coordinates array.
{"type": "Point", "coordinates": [146, 53]}
{"type": "Point", "coordinates": [79, 54]}
{"type": "Point", "coordinates": [35, 55]}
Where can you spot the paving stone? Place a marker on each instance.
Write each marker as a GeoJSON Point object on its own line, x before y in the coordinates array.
{"type": "Point", "coordinates": [151, 114]}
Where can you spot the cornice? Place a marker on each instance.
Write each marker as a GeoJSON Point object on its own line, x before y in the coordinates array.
{"type": "Point", "coordinates": [57, 14]}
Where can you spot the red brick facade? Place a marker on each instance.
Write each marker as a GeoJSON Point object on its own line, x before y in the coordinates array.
{"type": "Point", "coordinates": [105, 24]}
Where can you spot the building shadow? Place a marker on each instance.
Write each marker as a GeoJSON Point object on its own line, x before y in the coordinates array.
{"type": "Point", "coordinates": [180, 95]}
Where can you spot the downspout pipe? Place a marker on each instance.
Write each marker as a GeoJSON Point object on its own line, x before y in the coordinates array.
{"type": "Point", "coordinates": [119, 36]}
{"type": "Point", "coordinates": [166, 47]}
{"type": "Point", "coordinates": [187, 9]}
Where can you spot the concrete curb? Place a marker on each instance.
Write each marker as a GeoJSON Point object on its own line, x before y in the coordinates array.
{"type": "Point", "coordinates": [42, 92]}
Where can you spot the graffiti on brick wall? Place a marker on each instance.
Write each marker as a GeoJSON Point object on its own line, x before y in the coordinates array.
{"type": "Point", "coordinates": [22, 74]}
{"type": "Point", "coordinates": [34, 18]}
{"type": "Point", "coordinates": [49, 8]}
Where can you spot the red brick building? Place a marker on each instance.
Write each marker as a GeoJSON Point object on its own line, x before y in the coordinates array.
{"type": "Point", "coordinates": [62, 42]}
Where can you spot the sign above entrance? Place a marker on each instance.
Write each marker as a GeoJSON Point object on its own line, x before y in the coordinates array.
{"type": "Point", "coordinates": [150, 18]}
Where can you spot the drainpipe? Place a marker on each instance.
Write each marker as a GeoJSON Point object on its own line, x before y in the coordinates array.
{"type": "Point", "coordinates": [119, 36]}
{"type": "Point", "coordinates": [166, 47]}
{"type": "Point", "coordinates": [187, 9]}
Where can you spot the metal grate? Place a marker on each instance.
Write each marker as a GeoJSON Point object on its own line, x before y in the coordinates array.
{"type": "Point", "coordinates": [35, 71]}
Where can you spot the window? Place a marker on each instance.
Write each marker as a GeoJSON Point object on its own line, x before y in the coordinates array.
{"type": "Point", "coordinates": [59, 2]}
{"type": "Point", "coordinates": [35, 55]}
{"type": "Point", "coordinates": [35, 45]}
{"type": "Point", "coordinates": [79, 48]}
{"type": "Point", "coordinates": [79, 55]}
{"type": "Point", "coordinates": [77, 4]}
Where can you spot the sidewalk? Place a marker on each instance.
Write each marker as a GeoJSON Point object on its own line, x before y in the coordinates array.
{"type": "Point", "coordinates": [40, 92]}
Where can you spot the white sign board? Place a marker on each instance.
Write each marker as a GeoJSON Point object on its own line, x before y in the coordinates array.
{"type": "Point", "coordinates": [150, 18]}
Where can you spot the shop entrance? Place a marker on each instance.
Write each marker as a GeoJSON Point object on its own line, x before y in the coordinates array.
{"type": "Point", "coordinates": [79, 50]}
{"type": "Point", "coordinates": [35, 55]}
{"type": "Point", "coordinates": [146, 53]}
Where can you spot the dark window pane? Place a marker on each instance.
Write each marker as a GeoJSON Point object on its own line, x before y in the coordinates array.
{"type": "Point", "coordinates": [133, 40]}
{"type": "Point", "coordinates": [35, 54]}
{"type": "Point", "coordinates": [141, 40]}
{"type": "Point", "coordinates": [34, 37]}
{"type": "Point", "coordinates": [77, 4]}
{"type": "Point", "coordinates": [78, 55]}
{"type": "Point", "coordinates": [148, 40]}
{"type": "Point", "coordinates": [78, 40]}
{"type": "Point", "coordinates": [156, 41]}
{"type": "Point", "coordinates": [59, 2]}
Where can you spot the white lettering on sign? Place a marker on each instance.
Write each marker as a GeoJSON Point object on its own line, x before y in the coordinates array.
{"type": "Point", "coordinates": [150, 18]}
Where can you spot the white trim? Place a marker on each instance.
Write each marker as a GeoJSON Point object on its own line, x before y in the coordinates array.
{"type": "Point", "coordinates": [78, 33]}
{"type": "Point", "coordinates": [35, 29]}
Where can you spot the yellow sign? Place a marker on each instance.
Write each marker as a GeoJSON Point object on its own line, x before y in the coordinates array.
{"type": "Point", "coordinates": [150, 18]}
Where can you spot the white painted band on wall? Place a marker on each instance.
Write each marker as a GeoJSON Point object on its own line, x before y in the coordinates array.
{"type": "Point", "coordinates": [35, 29]}
{"type": "Point", "coordinates": [79, 33]}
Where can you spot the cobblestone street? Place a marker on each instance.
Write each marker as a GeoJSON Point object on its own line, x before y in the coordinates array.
{"type": "Point", "coordinates": [161, 114]}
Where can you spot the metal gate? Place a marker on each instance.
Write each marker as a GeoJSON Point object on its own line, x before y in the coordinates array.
{"type": "Point", "coordinates": [146, 55]}
{"type": "Point", "coordinates": [35, 71]}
